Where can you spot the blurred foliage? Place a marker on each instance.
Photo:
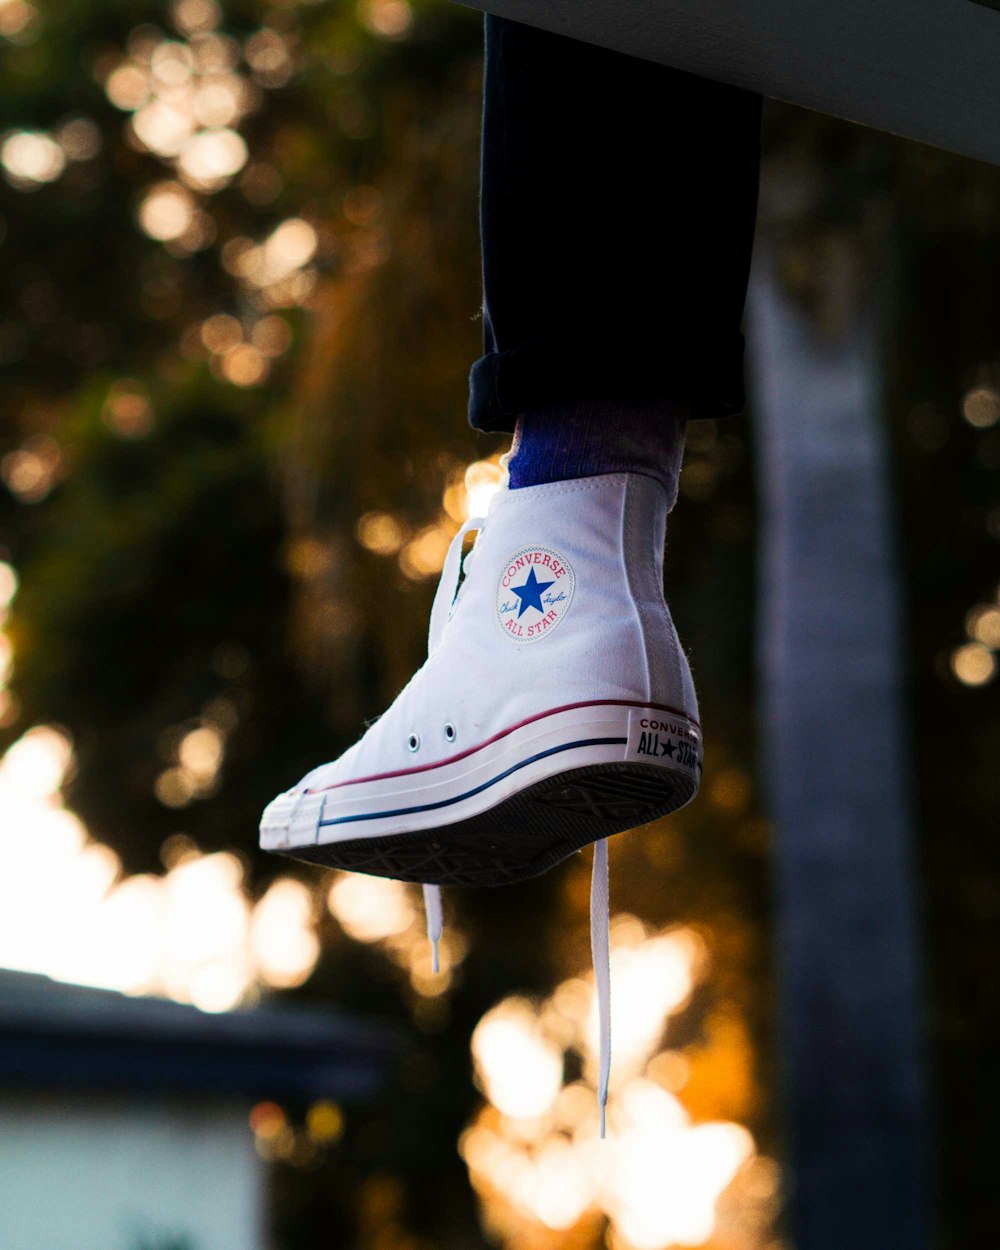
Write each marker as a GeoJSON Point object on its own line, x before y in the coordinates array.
{"type": "Point", "coordinates": [156, 531]}
{"type": "Point", "coordinates": [187, 446]}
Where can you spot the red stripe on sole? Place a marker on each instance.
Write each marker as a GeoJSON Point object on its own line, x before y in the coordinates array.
{"type": "Point", "coordinates": [453, 759]}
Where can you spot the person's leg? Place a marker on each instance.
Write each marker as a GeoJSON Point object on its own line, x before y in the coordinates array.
{"type": "Point", "coordinates": [617, 216]}
{"type": "Point", "coordinates": [556, 706]}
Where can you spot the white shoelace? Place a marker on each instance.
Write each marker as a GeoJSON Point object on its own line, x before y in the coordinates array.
{"type": "Point", "coordinates": [444, 598]}
{"type": "Point", "coordinates": [600, 949]}
{"type": "Point", "coordinates": [447, 588]}
{"type": "Point", "coordinates": [434, 915]}
{"type": "Point", "coordinates": [599, 884]}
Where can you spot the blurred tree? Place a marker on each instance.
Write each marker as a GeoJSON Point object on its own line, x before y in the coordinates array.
{"type": "Point", "coordinates": [832, 698]}
{"type": "Point", "coordinates": [832, 190]}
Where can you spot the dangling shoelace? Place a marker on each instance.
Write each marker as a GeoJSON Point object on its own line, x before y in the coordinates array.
{"type": "Point", "coordinates": [600, 949]}
{"type": "Point", "coordinates": [444, 599]}
{"type": "Point", "coordinates": [434, 914]}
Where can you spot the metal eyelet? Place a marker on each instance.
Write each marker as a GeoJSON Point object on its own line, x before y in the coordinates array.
{"type": "Point", "coordinates": [450, 732]}
{"type": "Point", "coordinates": [413, 742]}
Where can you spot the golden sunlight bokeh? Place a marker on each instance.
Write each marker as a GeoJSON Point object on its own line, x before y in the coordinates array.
{"type": "Point", "coordinates": [191, 934]}
{"type": "Point", "coordinates": [389, 915]}
{"type": "Point", "coordinates": [543, 1176]}
{"type": "Point", "coordinates": [421, 553]}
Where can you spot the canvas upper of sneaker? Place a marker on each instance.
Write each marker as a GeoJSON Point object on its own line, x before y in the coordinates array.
{"type": "Point", "coordinates": [562, 604]}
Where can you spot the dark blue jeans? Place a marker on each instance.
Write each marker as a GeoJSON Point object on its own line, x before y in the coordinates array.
{"type": "Point", "coordinates": [617, 217]}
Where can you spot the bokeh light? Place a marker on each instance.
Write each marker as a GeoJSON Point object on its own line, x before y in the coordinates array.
{"type": "Point", "coordinates": [981, 407]}
{"type": "Point", "coordinates": [30, 472]}
{"type": "Point", "coordinates": [533, 1153]}
{"type": "Point", "coordinates": [167, 211]}
{"type": "Point", "coordinates": [371, 909]}
{"type": "Point", "coordinates": [389, 914]}
{"type": "Point", "coordinates": [381, 533]}
{"type": "Point", "coordinates": [210, 158]}
{"type": "Point", "coordinates": [18, 21]}
{"type": "Point", "coordinates": [973, 664]}
{"type": "Point", "coordinates": [983, 625]}
{"type": "Point", "coordinates": [519, 1067]}
{"type": "Point", "coordinates": [191, 934]}
{"type": "Point", "coordinates": [391, 19]}
{"type": "Point", "coordinates": [31, 158]}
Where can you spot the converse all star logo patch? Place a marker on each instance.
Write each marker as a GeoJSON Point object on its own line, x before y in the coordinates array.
{"type": "Point", "coordinates": [534, 592]}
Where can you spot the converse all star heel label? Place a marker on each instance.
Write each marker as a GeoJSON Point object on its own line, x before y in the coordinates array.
{"type": "Point", "coordinates": [667, 738]}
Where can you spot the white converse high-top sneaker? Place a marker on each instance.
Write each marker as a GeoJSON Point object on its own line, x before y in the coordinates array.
{"type": "Point", "coordinates": [555, 707]}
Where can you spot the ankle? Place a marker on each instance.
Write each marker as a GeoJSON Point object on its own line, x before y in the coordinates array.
{"type": "Point", "coordinates": [593, 437]}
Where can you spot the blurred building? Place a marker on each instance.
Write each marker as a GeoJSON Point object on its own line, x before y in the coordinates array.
{"type": "Point", "coordinates": [125, 1120]}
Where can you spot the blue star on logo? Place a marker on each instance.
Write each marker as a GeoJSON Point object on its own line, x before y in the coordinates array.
{"type": "Point", "coordinates": [530, 593]}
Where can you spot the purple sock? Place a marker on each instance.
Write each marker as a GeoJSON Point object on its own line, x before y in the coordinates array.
{"type": "Point", "coordinates": [591, 437]}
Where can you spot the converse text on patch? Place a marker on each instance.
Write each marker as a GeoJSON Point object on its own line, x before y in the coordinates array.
{"type": "Point", "coordinates": [664, 737]}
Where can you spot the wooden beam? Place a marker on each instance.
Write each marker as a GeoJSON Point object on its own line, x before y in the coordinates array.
{"type": "Point", "coordinates": [923, 69]}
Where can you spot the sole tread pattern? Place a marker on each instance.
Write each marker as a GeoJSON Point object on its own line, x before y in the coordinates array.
{"type": "Point", "coordinates": [521, 837]}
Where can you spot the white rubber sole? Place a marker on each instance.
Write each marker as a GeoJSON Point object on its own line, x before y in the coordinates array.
{"type": "Point", "coordinates": [606, 757]}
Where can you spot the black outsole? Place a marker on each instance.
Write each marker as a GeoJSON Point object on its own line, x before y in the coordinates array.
{"type": "Point", "coordinates": [521, 837]}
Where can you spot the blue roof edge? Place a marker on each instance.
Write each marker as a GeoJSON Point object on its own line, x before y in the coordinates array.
{"type": "Point", "coordinates": [55, 1034]}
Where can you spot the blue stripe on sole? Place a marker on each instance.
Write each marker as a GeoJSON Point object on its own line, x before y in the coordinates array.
{"type": "Point", "coordinates": [430, 807]}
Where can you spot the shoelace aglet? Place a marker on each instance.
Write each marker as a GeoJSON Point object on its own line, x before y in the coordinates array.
{"type": "Point", "coordinates": [604, 1121]}
{"type": "Point", "coordinates": [435, 955]}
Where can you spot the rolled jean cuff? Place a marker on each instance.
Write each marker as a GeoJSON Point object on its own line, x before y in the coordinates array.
{"type": "Point", "coordinates": [502, 385]}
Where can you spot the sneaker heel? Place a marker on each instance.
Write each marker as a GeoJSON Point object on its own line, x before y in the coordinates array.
{"type": "Point", "coordinates": [666, 739]}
